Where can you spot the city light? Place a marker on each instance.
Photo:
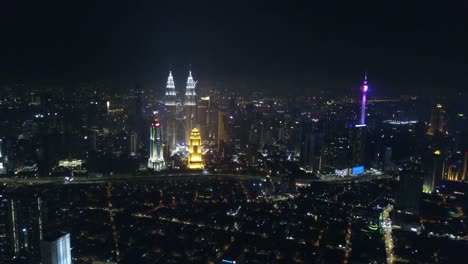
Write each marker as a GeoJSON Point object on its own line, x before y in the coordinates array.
{"type": "Point", "coordinates": [143, 134]}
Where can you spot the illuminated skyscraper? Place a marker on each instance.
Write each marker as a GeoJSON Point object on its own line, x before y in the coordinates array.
{"type": "Point", "coordinates": [456, 172]}
{"type": "Point", "coordinates": [434, 172]}
{"type": "Point", "coordinates": [437, 122]}
{"type": "Point", "coordinates": [357, 143]}
{"type": "Point", "coordinates": [56, 250]}
{"type": "Point", "coordinates": [156, 158]}
{"type": "Point", "coordinates": [170, 103]}
{"type": "Point", "coordinates": [364, 89]}
{"type": "Point", "coordinates": [25, 223]}
{"type": "Point", "coordinates": [453, 173]}
{"type": "Point", "coordinates": [190, 105]}
{"type": "Point", "coordinates": [204, 112]}
{"type": "Point", "coordinates": [195, 160]}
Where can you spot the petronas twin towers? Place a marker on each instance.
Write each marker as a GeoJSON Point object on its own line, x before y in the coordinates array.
{"type": "Point", "coordinates": [189, 110]}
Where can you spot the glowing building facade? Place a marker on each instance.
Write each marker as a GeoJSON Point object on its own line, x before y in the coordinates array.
{"type": "Point", "coordinates": [457, 173]}
{"type": "Point", "coordinates": [190, 105]}
{"type": "Point", "coordinates": [56, 250]}
{"type": "Point", "coordinates": [364, 88]}
{"type": "Point", "coordinates": [195, 160]}
{"type": "Point", "coordinates": [437, 122]}
{"type": "Point", "coordinates": [204, 117]}
{"type": "Point", "coordinates": [170, 103]}
{"type": "Point", "coordinates": [465, 168]}
{"type": "Point", "coordinates": [434, 172]}
{"type": "Point", "coordinates": [156, 158]}
{"type": "Point", "coordinates": [22, 226]}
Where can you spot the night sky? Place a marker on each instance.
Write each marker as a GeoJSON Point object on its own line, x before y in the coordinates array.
{"type": "Point", "coordinates": [273, 46]}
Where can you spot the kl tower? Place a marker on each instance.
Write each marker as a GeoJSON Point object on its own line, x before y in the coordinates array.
{"type": "Point", "coordinates": [364, 88]}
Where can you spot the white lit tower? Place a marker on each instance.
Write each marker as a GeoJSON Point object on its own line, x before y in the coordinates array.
{"type": "Point", "coordinates": [170, 103]}
{"type": "Point", "coordinates": [364, 88]}
{"type": "Point", "coordinates": [190, 105]}
{"type": "Point", "coordinates": [156, 158]}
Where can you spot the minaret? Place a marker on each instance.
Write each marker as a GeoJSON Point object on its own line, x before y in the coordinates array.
{"type": "Point", "coordinates": [170, 103]}
{"type": "Point", "coordinates": [156, 158]}
{"type": "Point", "coordinates": [190, 106]}
{"type": "Point", "coordinates": [364, 89]}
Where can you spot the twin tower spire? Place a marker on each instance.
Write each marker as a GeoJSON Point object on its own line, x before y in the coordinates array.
{"type": "Point", "coordinates": [189, 112]}
{"type": "Point", "coordinates": [190, 94]}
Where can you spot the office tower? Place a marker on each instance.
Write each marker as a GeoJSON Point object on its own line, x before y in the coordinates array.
{"type": "Point", "coordinates": [437, 122]}
{"type": "Point", "coordinates": [357, 144]}
{"type": "Point", "coordinates": [334, 154]}
{"type": "Point", "coordinates": [364, 88]}
{"type": "Point", "coordinates": [195, 160]}
{"type": "Point", "coordinates": [190, 105]}
{"type": "Point", "coordinates": [170, 103]}
{"type": "Point", "coordinates": [407, 200]}
{"type": "Point", "coordinates": [204, 112]}
{"type": "Point", "coordinates": [56, 250]}
{"type": "Point", "coordinates": [409, 192]}
{"type": "Point", "coordinates": [136, 120]}
{"type": "Point", "coordinates": [223, 134]}
{"type": "Point", "coordinates": [26, 225]}
{"type": "Point", "coordinates": [311, 142]}
{"type": "Point", "coordinates": [156, 158]}
{"type": "Point", "coordinates": [133, 143]}
{"type": "Point", "coordinates": [434, 172]}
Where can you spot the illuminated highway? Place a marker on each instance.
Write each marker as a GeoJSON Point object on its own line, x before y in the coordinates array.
{"type": "Point", "coordinates": [130, 177]}
{"type": "Point", "coordinates": [386, 223]}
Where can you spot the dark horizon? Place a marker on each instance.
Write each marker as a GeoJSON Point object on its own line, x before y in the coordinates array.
{"type": "Point", "coordinates": [269, 46]}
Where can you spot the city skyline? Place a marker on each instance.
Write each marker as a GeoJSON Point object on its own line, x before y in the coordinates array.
{"type": "Point", "coordinates": [233, 132]}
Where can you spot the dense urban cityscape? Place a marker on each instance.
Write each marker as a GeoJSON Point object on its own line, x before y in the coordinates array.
{"type": "Point", "coordinates": [199, 161]}
{"type": "Point", "coordinates": [202, 178]}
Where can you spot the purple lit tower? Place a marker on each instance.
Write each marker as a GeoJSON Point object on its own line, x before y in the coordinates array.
{"type": "Point", "coordinates": [364, 89]}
